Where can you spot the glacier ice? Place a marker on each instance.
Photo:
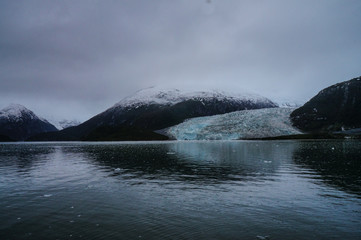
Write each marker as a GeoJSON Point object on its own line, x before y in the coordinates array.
{"type": "Point", "coordinates": [268, 122]}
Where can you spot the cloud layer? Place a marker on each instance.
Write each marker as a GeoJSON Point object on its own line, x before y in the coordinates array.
{"type": "Point", "coordinates": [74, 59]}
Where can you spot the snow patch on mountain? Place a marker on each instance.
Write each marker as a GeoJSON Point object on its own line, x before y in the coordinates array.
{"type": "Point", "coordinates": [15, 112]}
{"type": "Point", "coordinates": [172, 96]}
{"type": "Point", "coordinates": [62, 124]}
{"type": "Point", "coordinates": [19, 123]}
{"type": "Point", "coordinates": [289, 104]}
{"type": "Point", "coordinates": [268, 122]}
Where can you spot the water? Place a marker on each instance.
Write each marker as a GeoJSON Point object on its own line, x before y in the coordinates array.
{"type": "Point", "coordinates": [181, 190]}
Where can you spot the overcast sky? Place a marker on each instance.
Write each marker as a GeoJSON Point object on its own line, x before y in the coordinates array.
{"type": "Point", "coordinates": [74, 59]}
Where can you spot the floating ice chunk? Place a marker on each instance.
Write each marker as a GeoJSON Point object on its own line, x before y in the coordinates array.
{"type": "Point", "coordinates": [262, 237]}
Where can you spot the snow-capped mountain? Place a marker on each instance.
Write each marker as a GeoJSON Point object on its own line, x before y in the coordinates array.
{"type": "Point", "coordinates": [172, 96]}
{"type": "Point", "coordinates": [335, 108]}
{"type": "Point", "coordinates": [259, 123]}
{"type": "Point", "coordinates": [156, 108]}
{"type": "Point", "coordinates": [19, 123]}
{"type": "Point", "coordinates": [62, 124]}
{"type": "Point", "coordinates": [289, 104]}
{"type": "Point", "coordinates": [16, 112]}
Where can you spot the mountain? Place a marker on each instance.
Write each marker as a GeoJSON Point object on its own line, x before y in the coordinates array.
{"type": "Point", "coordinates": [4, 138]}
{"type": "Point", "coordinates": [64, 123]}
{"type": "Point", "coordinates": [289, 104]}
{"type": "Point", "coordinates": [18, 123]}
{"type": "Point", "coordinates": [172, 96]}
{"type": "Point", "coordinates": [258, 123]}
{"type": "Point", "coordinates": [336, 108]}
{"type": "Point", "coordinates": [139, 115]}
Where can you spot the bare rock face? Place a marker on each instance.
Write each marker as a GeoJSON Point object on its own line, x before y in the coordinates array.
{"type": "Point", "coordinates": [335, 108]}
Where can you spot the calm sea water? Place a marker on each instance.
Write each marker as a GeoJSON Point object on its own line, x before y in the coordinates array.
{"type": "Point", "coordinates": [181, 190]}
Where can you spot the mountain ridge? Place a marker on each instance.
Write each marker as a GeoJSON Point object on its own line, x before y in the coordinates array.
{"type": "Point", "coordinates": [151, 109]}
{"type": "Point", "coordinates": [172, 96]}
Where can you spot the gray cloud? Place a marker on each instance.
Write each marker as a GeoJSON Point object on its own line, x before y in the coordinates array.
{"type": "Point", "coordinates": [76, 58]}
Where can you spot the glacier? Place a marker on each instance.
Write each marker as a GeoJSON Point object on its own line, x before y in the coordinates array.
{"type": "Point", "coordinates": [246, 124]}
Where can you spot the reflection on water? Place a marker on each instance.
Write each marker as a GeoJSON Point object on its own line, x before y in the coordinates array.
{"type": "Point", "coordinates": [337, 162]}
{"type": "Point", "coordinates": [198, 162]}
{"type": "Point", "coordinates": [22, 156]}
{"type": "Point", "coordinates": [181, 190]}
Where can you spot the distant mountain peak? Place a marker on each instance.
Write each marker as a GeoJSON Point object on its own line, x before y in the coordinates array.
{"type": "Point", "coordinates": [65, 123]}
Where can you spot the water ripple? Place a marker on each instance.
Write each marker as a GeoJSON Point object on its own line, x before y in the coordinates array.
{"type": "Point", "coordinates": [181, 190]}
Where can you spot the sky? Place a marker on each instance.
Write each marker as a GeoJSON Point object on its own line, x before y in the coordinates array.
{"type": "Point", "coordinates": [74, 59]}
